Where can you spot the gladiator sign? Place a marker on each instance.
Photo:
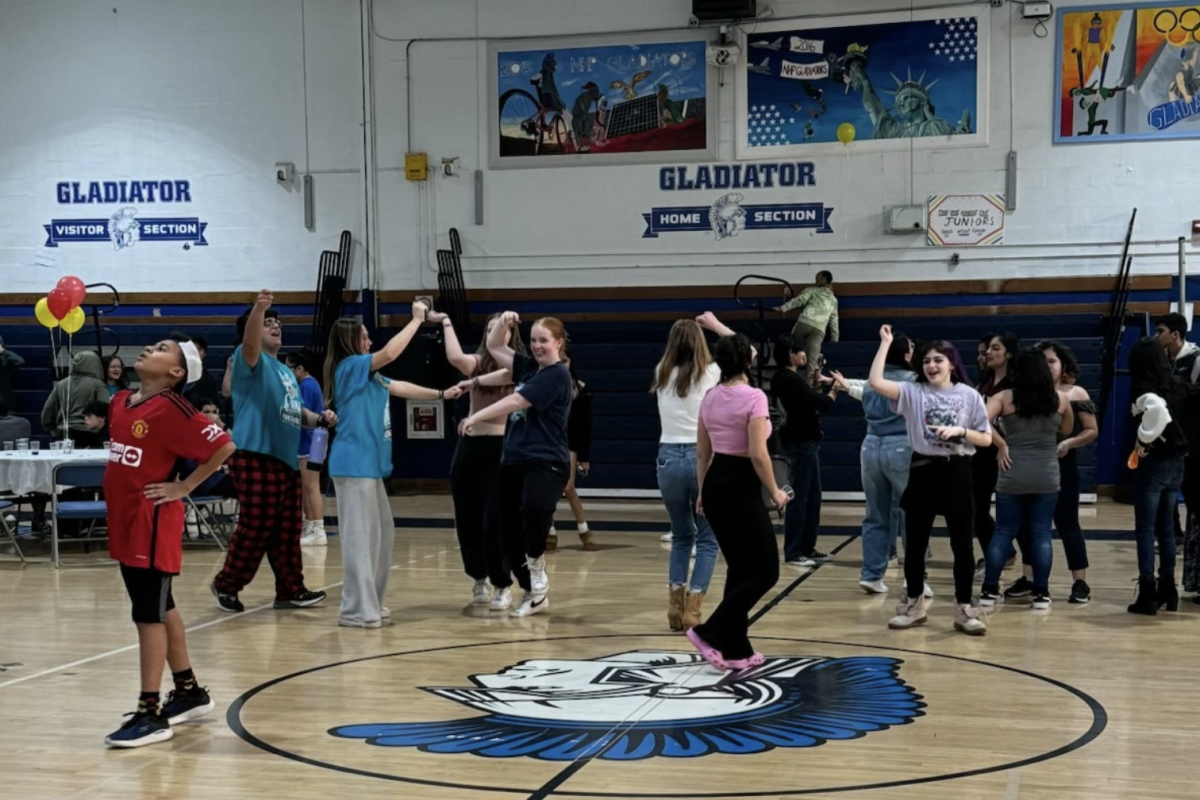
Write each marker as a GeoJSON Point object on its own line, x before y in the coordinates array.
{"type": "Point", "coordinates": [122, 227]}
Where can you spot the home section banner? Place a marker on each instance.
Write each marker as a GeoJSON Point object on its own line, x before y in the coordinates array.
{"type": "Point", "coordinates": [124, 230]}
{"type": "Point", "coordinates": [728, 217]}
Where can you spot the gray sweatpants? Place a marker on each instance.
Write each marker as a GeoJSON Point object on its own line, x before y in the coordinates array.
{"type": "Point", "coordinates": [366, 532]}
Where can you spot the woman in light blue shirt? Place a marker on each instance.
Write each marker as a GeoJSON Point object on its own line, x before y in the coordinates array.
{"type": "Point", "coordinates": [360, 457]}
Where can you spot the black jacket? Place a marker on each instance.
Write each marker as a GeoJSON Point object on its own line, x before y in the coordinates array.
{"type": "Point", "coordinates": [803, 406]}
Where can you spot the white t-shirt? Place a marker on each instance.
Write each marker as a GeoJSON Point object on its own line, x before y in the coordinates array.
{"type": "Point", "coordinates": [680, 415]}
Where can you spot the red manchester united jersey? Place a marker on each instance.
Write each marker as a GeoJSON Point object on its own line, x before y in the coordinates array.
{"type": "Point", "coordinates": [147, 441]}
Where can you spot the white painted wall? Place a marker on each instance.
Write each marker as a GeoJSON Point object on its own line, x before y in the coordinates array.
{"type": "Point", "coordinates": [213, 91]}
{"type": "Point", "coordinates": [582, 226]}
{"type": "Point", "coordinates": [205, 91]}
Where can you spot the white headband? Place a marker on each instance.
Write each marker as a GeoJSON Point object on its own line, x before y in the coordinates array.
{"type": "Point", "coordinates": [195, 367]}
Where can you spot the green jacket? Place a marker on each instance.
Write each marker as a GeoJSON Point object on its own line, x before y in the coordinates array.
{"type": "Point", "coordinates": [818, 307]}
{"type": "Point", "coordinates": [84, 385]}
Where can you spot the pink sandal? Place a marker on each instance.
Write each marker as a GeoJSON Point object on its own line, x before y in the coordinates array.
{"type": "Point", "coordinates": [746, 663]}
{"type": "Point", "coordinates": [711, 654]}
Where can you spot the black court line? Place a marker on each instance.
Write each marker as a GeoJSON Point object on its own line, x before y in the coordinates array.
{"type": "Point", "coordinates": [550, 786]}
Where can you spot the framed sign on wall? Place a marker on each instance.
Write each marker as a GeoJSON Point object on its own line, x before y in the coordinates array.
{"type": "Point", "coordinates": [600, 100]}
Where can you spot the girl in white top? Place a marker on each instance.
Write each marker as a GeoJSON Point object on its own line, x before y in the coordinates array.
{"type": "Point", "coordinates": [681, 379]}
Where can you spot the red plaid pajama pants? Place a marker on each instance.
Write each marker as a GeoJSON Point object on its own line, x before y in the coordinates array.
{"type": "Point", "coordinates": [269, 521]}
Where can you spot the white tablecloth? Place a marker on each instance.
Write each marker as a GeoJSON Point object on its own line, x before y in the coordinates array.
{"type": "Point", "coordinates": [22, 472]}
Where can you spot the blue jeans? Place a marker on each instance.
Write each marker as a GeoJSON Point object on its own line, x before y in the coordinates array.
{"type": "Point", "coordinates": [884, 462]}
{"type": "Point", "coordinates": [802, 516]}
{"type": "Point", "coordinates": [679, 488]}
{"type": "Point", "coordinates": [1016, 512]}
{"type": "Point", "coordinates": [1155, 484]}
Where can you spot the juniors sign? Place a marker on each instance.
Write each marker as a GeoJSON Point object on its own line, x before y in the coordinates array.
{"type": "Point", "coordinates": [729, 214]}
{"type": "Point", "coordinates": [123, 228]}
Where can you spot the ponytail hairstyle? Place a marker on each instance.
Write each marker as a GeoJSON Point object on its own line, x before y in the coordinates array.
{"type": "Point", "coordinates": [556, 330]}
{"type": "Point", "coordinates": [345, 340]}
{"type": "Point", "coordinates": [734, 355]}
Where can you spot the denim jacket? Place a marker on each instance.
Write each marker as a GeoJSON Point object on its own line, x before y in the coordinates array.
{"type": "Point", "coordinates": [882, 420]}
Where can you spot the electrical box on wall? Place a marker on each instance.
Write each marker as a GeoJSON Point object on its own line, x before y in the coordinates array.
{"type": "Point", "coordinates": [416, 166]}
{"type": "Point", "coordinates": [903, 219]}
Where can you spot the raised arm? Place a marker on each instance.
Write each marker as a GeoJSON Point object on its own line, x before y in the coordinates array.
{"type": "Point", "coordinates": [888, 388]}
{"type": "Point", "coordinates": [395, 346]}
{"type": "Point", "coordinates": [799, 301]}
{"type": "Point", "coordinates": [466, 363]}
{"type": "Point", "coordinates": [252, 338]}
{"type": "Point", "coordinates": [708, 320]}
{"type": "Point", "coordinates": [497, 340]}
{"type": "Point", "coordinates": [411, 391]}
{"type": "Point", "coordinates": [500, 377]}
{"type": "Point", "coordinates": [227, 379]}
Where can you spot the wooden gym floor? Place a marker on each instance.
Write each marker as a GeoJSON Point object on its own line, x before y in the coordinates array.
{"type": "Point", "coordinates": [597, 698]}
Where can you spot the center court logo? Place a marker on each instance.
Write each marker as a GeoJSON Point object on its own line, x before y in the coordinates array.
{"type": "Point", "coordinates": [562, 710]}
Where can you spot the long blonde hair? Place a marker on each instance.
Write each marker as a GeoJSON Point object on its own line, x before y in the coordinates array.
{"type": "Point", "coordinates": [345, 339]}
{"type": "Point", "coordinates": [687, 352]}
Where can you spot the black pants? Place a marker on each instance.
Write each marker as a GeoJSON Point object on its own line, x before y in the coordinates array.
{"type": "Point", "coordinates": [985, 471]}
{"type": "Point", "coordinates": [529, 494]}
{"type": "Point", "coordinates": [733, 504]}
{"type": "Point", "coordinates": [939, 486]}
{"type": "Point", "coordinates": [474, 483]}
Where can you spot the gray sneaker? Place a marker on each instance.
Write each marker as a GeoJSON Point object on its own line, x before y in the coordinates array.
{"type": "Point", "coordinates": [538, 580]}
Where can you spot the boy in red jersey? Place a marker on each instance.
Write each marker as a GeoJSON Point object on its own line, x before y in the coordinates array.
{"type": "Point", "coordinates": [152, 429]}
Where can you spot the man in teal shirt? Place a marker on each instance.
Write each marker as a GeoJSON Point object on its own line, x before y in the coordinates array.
{"type": "Point", "coordinates": [267, 418]}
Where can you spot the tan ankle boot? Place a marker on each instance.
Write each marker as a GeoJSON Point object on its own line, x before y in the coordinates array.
{"type": "Point", "coordinates": [589, 542]}
{"type": "Point", "coordinates": [675, 609]}
{"type": "Point", "coordinates": [691, 613]}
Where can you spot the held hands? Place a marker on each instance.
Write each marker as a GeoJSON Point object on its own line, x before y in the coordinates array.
{"type": "Point", "coordinates": [436, 317]}
{"type": "Point", "coordinates": [839, 382]}
{"type": "Point", "coordinates": [420, 312]}
{"type": "Point", "coordinates": [465, 385]}
{"type": "Point", "coordinates": [885, 334]}
{"type": "Point", "coordinates": [454, 392]}
{"type": "Point", "coordinates": [162, 493]}
{"type": "Point", "coordinates": [264, 300]}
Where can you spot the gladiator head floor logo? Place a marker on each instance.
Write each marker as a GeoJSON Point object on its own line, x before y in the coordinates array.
{"type": "Point", "coordinates": [559, 710]}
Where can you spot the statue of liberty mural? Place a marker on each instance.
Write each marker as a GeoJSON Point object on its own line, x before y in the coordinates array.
{"type": "Point", "coordinates": [912, 113]}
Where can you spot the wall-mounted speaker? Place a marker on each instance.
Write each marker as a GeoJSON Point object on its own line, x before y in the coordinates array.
{"type": "Point", "coordinates": [710, 10]}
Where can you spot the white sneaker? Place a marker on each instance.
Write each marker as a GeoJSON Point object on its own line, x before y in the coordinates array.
{"type": "Point", "coordinates": [532, 603]}
{"type": "Point", "coordinates": [969, 620]}
{"type": "Point", "coordinates": [538, 579]}
{"type": "Point", "coordinates": [909, 613]}
{"type": "Point", "coordinates": [314, 536]}
{"type": "Point", "coordinates": [501, 600]}
{"type": "Point", "coordinates": [480, 595]}
{"type": "Point", "coordinates": [802, 561]}
{"type": "Point", "coordinates": [666, 537]}
{"type": "Point", "coordinates": [874, 587]}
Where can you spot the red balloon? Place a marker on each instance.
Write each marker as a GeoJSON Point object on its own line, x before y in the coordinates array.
{"type": "Point", "coordinates": [59, 303]}
{"type": "Point", "coordinates": [74, 288]}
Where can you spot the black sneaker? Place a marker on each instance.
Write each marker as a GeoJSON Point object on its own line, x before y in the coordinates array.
{"type": "Point", "coordinates": [303, 600]}
{"type": "Point", "coordinates": [141, 729]}
{"type": "Point", "coordinates": [989, 596]}
{"type": "Point", "coordinates": [1080, 592]}
{"type": "Point", "coordinates": [227, 602]}
{"type": "Point", "coordinates": [187, 706]}
{"type": "Point", "coordinates": [1041, 599]}
{"type": "Point", "coordinates": [1021, 591]}
{"type": "Point", "coordinates": [818, 556]}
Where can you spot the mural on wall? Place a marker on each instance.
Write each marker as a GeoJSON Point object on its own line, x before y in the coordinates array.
{"type": "Point", "coordinates": [123, 228]}
{"type": "Point", "coordinates": [591, 103]}
{"type": "Point", "coordinates": [726, 212]}
{"type": "Point", "coordinates": [1127, 72]}
{"type": "Point", "coordinates": [873, 83]}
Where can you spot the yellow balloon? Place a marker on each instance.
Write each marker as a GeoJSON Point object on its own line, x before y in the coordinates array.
{"type": "Point", "coordinates": [845, 133]}
{"type": "Point", "coordinates": [74, 320]}
{"type": "Point", "coordinates": [42, 312]}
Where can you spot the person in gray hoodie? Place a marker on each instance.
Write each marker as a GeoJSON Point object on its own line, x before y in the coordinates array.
{"type": "Point", "coordinates": [818, 314]}
{"type": "Point", "coordinates": [85, 385]}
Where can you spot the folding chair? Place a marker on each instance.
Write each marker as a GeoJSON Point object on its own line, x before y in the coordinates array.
{"type": "Point", "coordinates": [214, 517]}
{"type": "Point", "coordinates": [77, 476]}
{"type": "Point", "coordinates": [9, 530]}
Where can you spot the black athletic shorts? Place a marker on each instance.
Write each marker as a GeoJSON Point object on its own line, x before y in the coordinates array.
{"type": "Point", "coordinates": [149, 593]}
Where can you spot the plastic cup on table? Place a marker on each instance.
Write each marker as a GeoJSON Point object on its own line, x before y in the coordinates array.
{"type": "Point", "coordinates": [22, 444]}
{"type": "Point", "coordinates": [35, 446]}
{"type": "Point", "coordinates": [68, 446]}
{"type": "Point", "coordinates": [8, 446]}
